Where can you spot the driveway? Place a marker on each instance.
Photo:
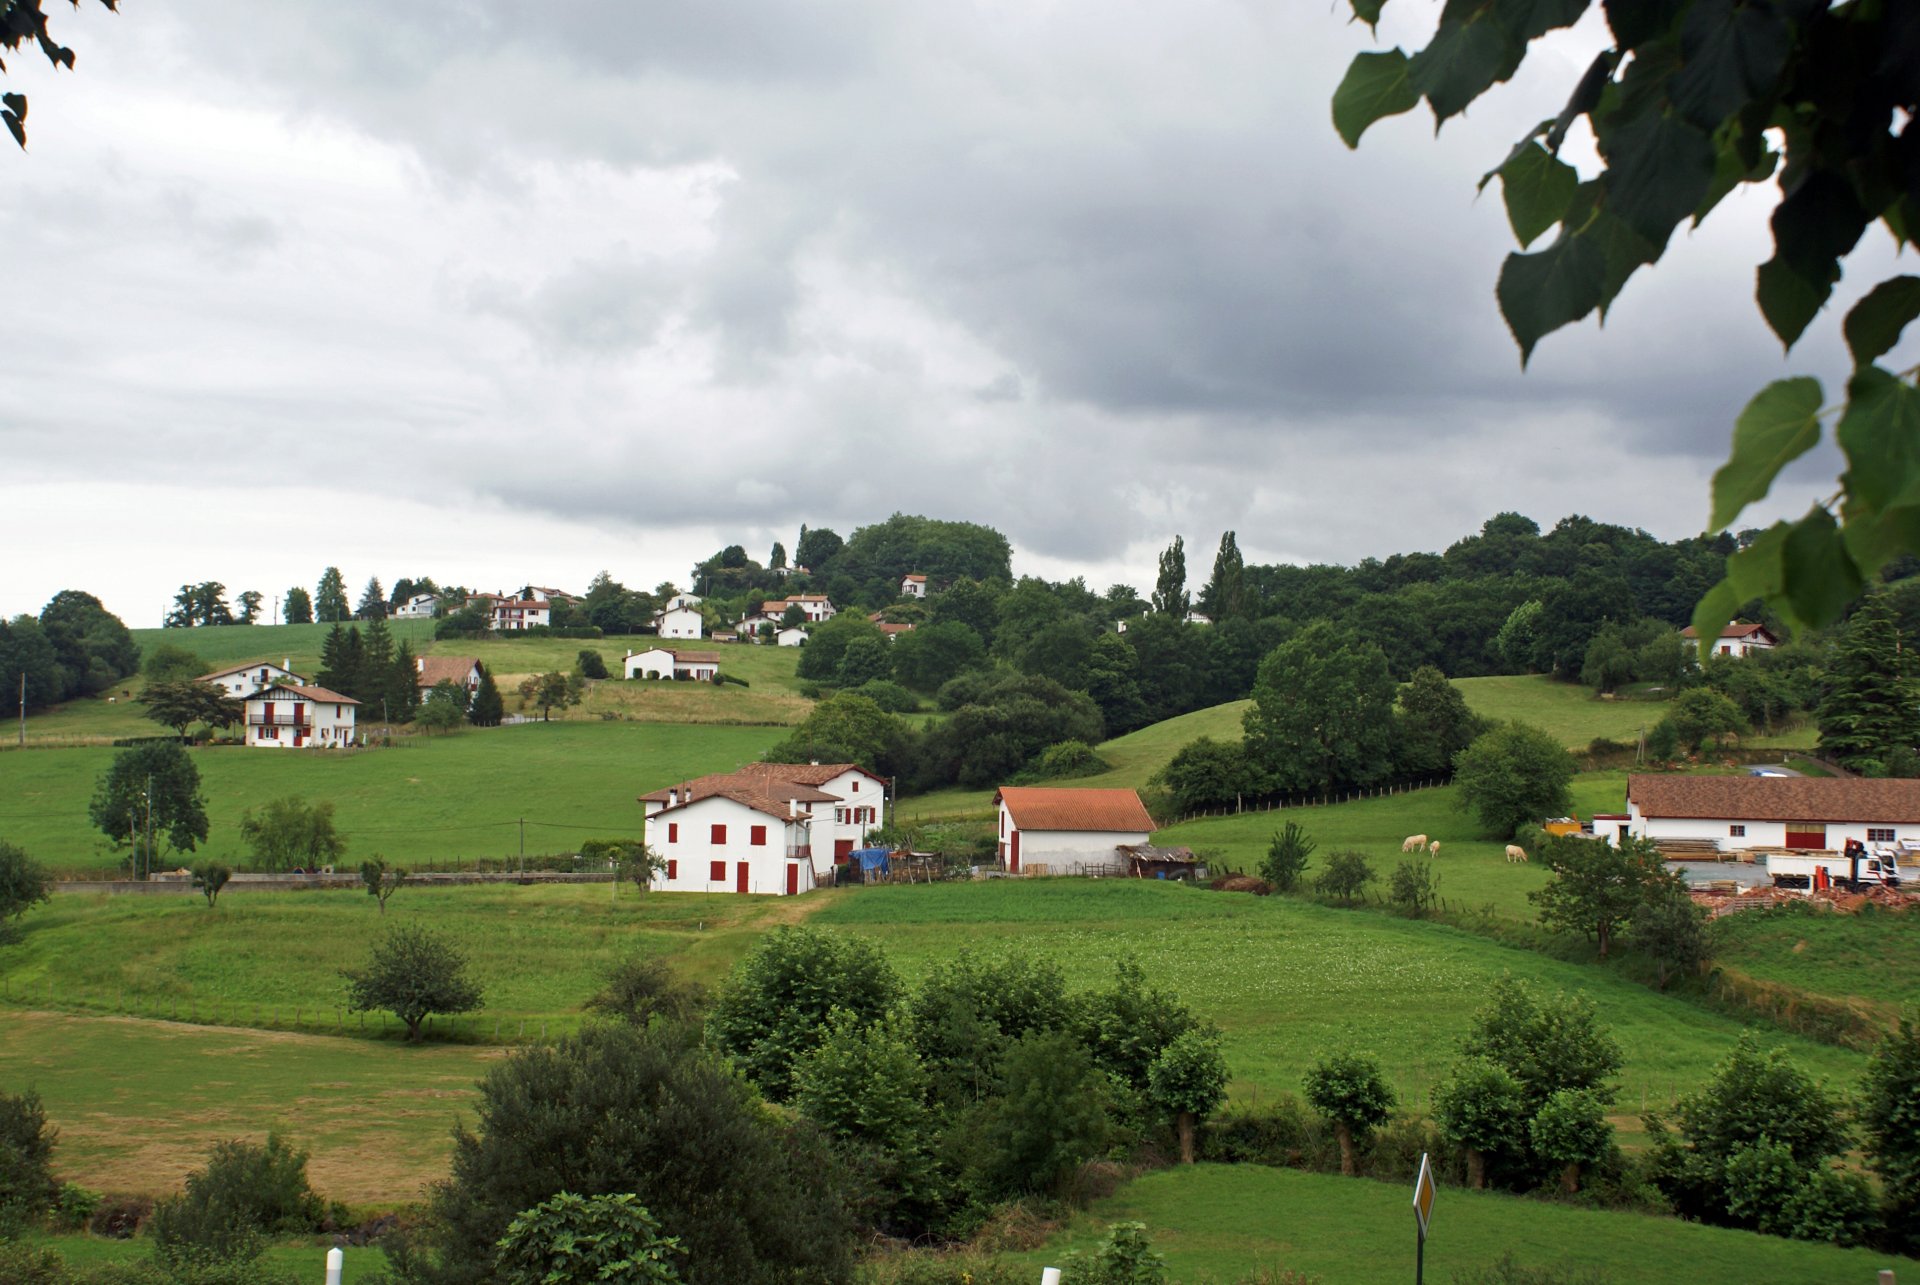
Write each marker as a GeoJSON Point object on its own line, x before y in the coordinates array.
{"type": "Point", "coordinates": [1746, 874]}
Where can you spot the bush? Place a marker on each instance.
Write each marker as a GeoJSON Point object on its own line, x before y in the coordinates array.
{"type": "Point", "coordinates": [1282, 1133]}
{"type": "Point", "coordinates": [1348, 1089]}
{"type": "Point", "coordinates": [1504, 1271]}
{"type": "Point", "coordinates": [1414, 887]}
{"type": "Point", "coordinates": [1066, 760]}
{"type": "Point", "coordinates": [639, 989]}
{"type": "Point", "coordinates": [581, 1240]}
{"type": "Point", "coordinates": [1125, 1257]}
{"type": "Point", "coordinates": [74, 1208]}
{"type": "Point", "coordinates": [1286, 858]}
{"type": "Point", "coordinates": [119, 1217]}
{"type": "Point", "coordinates": [1346, 877]}
{"type": "Point", "coordinates": [964, 1268]}
{"type": "Point", "coordinates": [888, 695]}
{"type": "Point", "coordinates": [1512, 775]}
{"type": "Point", "coordinates": [27, 1188]}
{"type": "Point", "coordinates": [1048, 1118]}
{"type": "Point", "coordinates": [23, 885]}
{"type": "Point", "coordinates": [590, 663]}
{"type": "Point", "coordinates": [244, 1193]}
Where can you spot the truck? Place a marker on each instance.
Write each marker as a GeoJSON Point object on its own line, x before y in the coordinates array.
{"type": "Point", "coordinates": [1853, 868]}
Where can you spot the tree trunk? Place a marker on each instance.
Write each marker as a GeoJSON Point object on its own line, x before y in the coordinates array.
{"type": "Point", "coordinates": [1184, 1121]}
{"type": "Point", "coordinates": [1476, 1169]}
{"type": "Point", "coordinates": [1570, 1178]}
{"type": "Point", "coordinates": [1345, 1136]}
{"type": "Point", "coordinates": [1605, 937]}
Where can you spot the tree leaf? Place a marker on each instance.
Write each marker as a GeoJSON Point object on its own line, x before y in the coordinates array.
{"type": "Point", "coordinates": [1543, 291]}
{"type": "Point", "coordinates": [1755, 571]}
{"type": "Point", "coordinates": [1817, 224]}
{"type": "Point", "coordinates": [14, 127]}
{"type": "Point", "coordinates": [1625, 250]}
{"type": "Point", "coordinates": [1819, 578]}
{"type": "Point", "coordinates": [1462, 61]}
{"type": "Point", "coordinates": [1537, 187]}
{"type": "Point", "coordinates": [1730, 170]}
{"type": "Point", "coordinates": [1880, 433]}
{"type": "Point", "coordinates": [1528, 19]}
{"type": "Point", "coordinates": [1778, 426]}
{"type": "Point", "coordinates": [1375, 86]}
{"type": "Point", "coordinates": [1875, 539]}
{"type": "Point", "coordinates": [1788, 300]}
{"type": "Point", "coordinates": [1711, 614]}
{"type": "Point", "coordinates": [1634, 22]}
{"type": "Point", "coordinates": [1586, 94]}
{"type": "Point", "coordinates": [1731, 53]}
{"type": "Point", "coordinates": [1659, 169]}
{"type": "Point", "coordinates": [1368, 11]}
{"type": "Point", "coordinates": [1874, 324]}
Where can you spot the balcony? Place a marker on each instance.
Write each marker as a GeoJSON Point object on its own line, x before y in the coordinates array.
{"type": "Point", "coordinates": [270, 721]}
{"type": "Point", "coordinates": [800, 852]}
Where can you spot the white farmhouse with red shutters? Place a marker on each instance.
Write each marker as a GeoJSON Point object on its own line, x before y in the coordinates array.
{"type": "Point", "coordinates": [1051, 830]}
{"type": "Point", "coordinates": [1738, 639]}
{"type": "Point", "coordinates": [1813, 813]}
{"type": "Point", "coordinates": [297, 718]}
{"type": "Point", "coordinates": [767, 828]}
{"type": "Point", "coordinates": [242, 681]}
{"type": "Point", "coordinates": [680, 622]}
{"type": "Point", "coordinates": [672, 662]}
{"type": "Point", "coordinates": [506, 615]}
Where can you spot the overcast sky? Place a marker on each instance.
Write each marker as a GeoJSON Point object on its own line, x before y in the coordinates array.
{"type": "Point", "coordinates": [505, 291]}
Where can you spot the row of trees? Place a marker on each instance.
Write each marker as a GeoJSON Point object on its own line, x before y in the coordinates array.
{"type": "Point", "coordinates": [74, 647]}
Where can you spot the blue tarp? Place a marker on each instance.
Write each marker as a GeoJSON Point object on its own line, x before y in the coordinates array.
{"type": "Point", "coordinates": [872, 859]}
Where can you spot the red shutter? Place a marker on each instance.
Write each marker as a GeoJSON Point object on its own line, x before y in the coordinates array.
{"type": "Point", "coordinates": [718, 835]}
{"type": "Point", "coordinates": [673, 868]}
{"type": "Point", "coordinates": [717, 872]}
{"type": "Point", "coordinates": [758, 836]}
{"type": "Point", "coordinates": [673, 832]}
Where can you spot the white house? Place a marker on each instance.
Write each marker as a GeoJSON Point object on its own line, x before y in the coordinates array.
{"type": "Point", "coordinates": [681, 600]}
{"type": "Point", "coordinates": [1738, 639]}
{"type": "Point", "coordinates": [669, 662]}
{"type": "Point", "coordinates": [749, 626]}
{"type": "Point", "coordinates": [913, 586]}
{"type": "Point", "coordinates": [813, 606]}
{"type": "Point", "coordinates": [1819, 813]}
{"type": "Point", "coordinates": [506, 615]}
{"type": "Point", "coordinates": [791, 636]}
{"type": "Point", "coordinates": [1064, 830]}
{"type": "Point", "coordinates": [300, 718]}
{"type": "Point", "coordinates": [1196, 618]}
{"type": "Point", "coordinates": [463, 671]}
{"type": "Point", "coordinates": [761, 830]}
{"type": "Point", "coordinates": [242, 681]}
{"type": "Point", "coordinates": [419, 607]}
{"type": "Point", "coordinates": [680, 622]}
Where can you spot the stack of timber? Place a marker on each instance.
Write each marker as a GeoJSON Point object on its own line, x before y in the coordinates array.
{"type": "Point", "coordinates": [1690, 849]}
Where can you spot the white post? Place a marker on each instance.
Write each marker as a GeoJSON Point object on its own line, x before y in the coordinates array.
{"type": "Point", "coordinates": [336, 1261]}
{"type": "Point", "coordinates": [1049, 1276]}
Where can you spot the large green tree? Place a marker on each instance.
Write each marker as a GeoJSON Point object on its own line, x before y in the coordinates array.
{"type": "Point", "coordinates": [94, 646]}
{"type": "Point", "coordinates": [330, 597]}
{"type": "Point", "coordinates": [1224, 596]}
{"type": "Point", "coordinates": [1688, 101]}
{"type": "Point", "coordinates": [151, 792]}
{"type": "Point", "coordinates": [290, 832]}
{"type": "Point", "coordinates": [181, 705]}
{"type": "Point", "coordinates": [1434, 724]}
{"type": "Point", "coordinates": [1870, 708]}
{"type": "Point", "coordinates": [1512, 775]}
{"type": "Point", "coordinates": [298, 607]}
{"type": "Point", "coordinates": [1322, 713]}
{"type": "Point", "coordinates": [1170, 588]}
{"type": "Point", "coordinates": [24, 883]}
{"type": "Point", "coordinates": [1598, 888]}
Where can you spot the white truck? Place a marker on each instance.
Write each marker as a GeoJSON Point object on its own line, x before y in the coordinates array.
{"type": "Point", "coordinates": [1853, 869]}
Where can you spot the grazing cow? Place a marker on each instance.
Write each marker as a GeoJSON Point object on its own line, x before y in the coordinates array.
{"type": "Point", "coordinates": [1413, 843]}
{"type": "Point", "coordinates": [1433, 849]}
{"type": "Point", "coordinates": [1516, 853]}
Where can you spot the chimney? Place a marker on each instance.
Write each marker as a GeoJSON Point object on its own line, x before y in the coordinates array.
{"type": "Point", "coordinates": [793, 808]}
{"type": "Point", "coordinates": [286, 663]}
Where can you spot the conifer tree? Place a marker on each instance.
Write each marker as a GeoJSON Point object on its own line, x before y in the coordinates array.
{"type": "Point", "coordinates": [1867, 713]}
{"type": "Point", "coordinates": [1225, 594]}
{"type": "Point", "coordinates": [373, 601]}
{"type": "Point", "coordinates": [376, 667]}
{"type": "Point", "coordinates": [1170, 591]}
{"type": "Point", "coordinates": [487, 708]}
{"type": "Point", "coordinates": [403, 685]}
{"type": "Point", "coordinates": [330, 597]}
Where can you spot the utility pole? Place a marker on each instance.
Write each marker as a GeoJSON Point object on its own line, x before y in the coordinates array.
{"type": "Point", "coordinates": [23, 709]}
{"type": "Point", "coordinates": [149, 852]}
{"type": "Point", "coordinates": [523, 845]}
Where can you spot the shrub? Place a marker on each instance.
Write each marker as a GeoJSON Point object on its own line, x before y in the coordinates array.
{"type": "Point", "coordinates": [590, 663]}
{"type": "Point", "coordinates": [23, 1264]}
{"type": "Point", "coordinates": [27, 1188]}
{"type": "Point", "coordinates": [209, 878]}
{"type": "Point", "coordinates": [1504, 1271]}
{"type": "Point", "coordinates": [1890, 1117]}
{"type": "Point", "coordinates": [888, 695]}
{"type": "Point", "coordinates": [1287, 857]}
{"type": "Point", "coordinates": [640, 988]}
{"type": "Point", "coordinates": [1048, 1118]}
{"type": "Point", "coordinates": [1066, 760]}
{"type": "Point", "coordinates": [581, 1240]}
{"type": "Point", "coordinates": [23, 885]}
{"type": "Point", "coordinates": [119, 1217]}
{"type": "Point", "coordinates": [964, 1268]}
{"type": "Point", "coordinates": [1414, 887]}
{"type": "Point", "coordinates": [74, 1207]}
{"type": "Point", "coordinates": [1125, 1257]}
{"type": "Point", "coordinates": [245, 1192]}
{"type": "Point", "coordinates": [1281, 1133]}
{"type": "Point", "coordinates": [1346, 877]}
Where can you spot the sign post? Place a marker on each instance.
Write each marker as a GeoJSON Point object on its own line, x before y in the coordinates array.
{"type": "Point", "coordinates": [1422, 1212]}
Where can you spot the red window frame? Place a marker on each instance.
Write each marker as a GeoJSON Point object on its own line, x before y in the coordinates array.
{"type": "Point", "coordinates": [717, 835]}
{"type": "Point", "coordinates": [717, 872]}
{"type": "Point", "coordinates": [757, 836]}
{"type": "Point", "coordinates": [673, 869]}
{"type": "Point", "coordinates": [673, 832]}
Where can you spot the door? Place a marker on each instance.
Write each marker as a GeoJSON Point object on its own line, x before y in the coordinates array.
{"type": "Point", "coordinates": [1013, 854]}
{"type": "Point", "coordinates": [740, 876]}
{"type": "Point", "coordinates": [793, 879]}
{"type": "Point", "coordinates": [1804, 834]}
{"type": "Point", "coordinates": [842, 849]}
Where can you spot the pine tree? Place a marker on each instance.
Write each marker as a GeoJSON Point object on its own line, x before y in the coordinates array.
{"type": "Point", "coordinates": [373, 601]}
{"type": "Point", "coordinates": [330, 598]}
{"type": "Point", "coordinates": [1225, 594]}
{"type": "Point", "coordinates": [1170, 592]}
{"type": "Point", "coordinates": [403, 685]}
{"type": "Point", "coordinates": [487, 705]}
{"type": "Point", "coordinates": [299, 607]}
{"type": "Point", "coordinates": [1867, 713]}
{"type": "Point", "coordinates": [333, 659]}
{"type": "Point", "coordinates": [376, 668]}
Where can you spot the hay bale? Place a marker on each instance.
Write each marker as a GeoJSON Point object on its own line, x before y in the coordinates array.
{"type": "Point", "coordinates": [1241, 883]}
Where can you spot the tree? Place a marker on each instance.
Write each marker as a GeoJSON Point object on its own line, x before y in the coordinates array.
{"type": "Point", "coordinates": [1127, 1027]}
{"type": "Point", "coordinates": [1207, 774]}
{"type": "Point", "coordinates": [1703, 715]}
{"type": "Point", "coordinates": [640, 988]}
{"type": "Point", "coordinates": [1189, 1081]}
{"type": "Point", "coordinates": [27, 1185]}
{"type": "Point", "coordinates": [26, 655]}
{"type": "Point", "coordinates": [1670, 929]}
{"type": "Point", "coordinates": [1225, 594]}
{"type": "Point", "coordinates": [22, 21]}
{"type": "Point", "coordinates": [169, 664]}
{"type": "Point", "coordinates": [1571, 1130]}
{"type": "Point", "coordinates": [1513, 775]}
{"type": "Point", "coordinates": [777, 559]}
{"type": "Point", "coordinates": [1868, 709]}
{"type": "Point", "coordinates": [290, 833]}
{"type": "Point", "coordinates": [92, 645]}
{"type": "Point", "coordinates": [930, 655]}
{"type": "Point", "coordinates": [180, 705]}
{"type": "Point", "coordinates": [487, 709]}
{"type": "Point", "coordinates": [444, 709]}
{"type": "Point", "coordinates": [24, 884]}
{"type": "Point", "coordinates": [1286, 858]}
{"type": "Point", "coordinates": [1348, 1089]}
{"type": "Point", "coordinates": [151, 792]}
{"type": "Point", "coordinates": [752, 1199]}
{"type": "Point", "coordinates": [1046, 1117]}
{"type": "Point", "coordinates": [1685, 107]}
{"type": "Point", "coordinates": [866, 1089]}
{"type": "Point", "coordinates": [590, 664]}
{"type": "Point", "coordinates": [381, 880]}
{"type": "Point", "coordinates": [1479, 1109]}
{"type": "Point", "coordinates": [209, 878]}
{"type": "Point", "coordinates": [1322, 713]}
{"type": "Point", "coordinates": [298, 607]}
{"type": "Point", "coordinates": [1413, 886]}
{"type": "Point", "coordinates": [1170, 589]}
{"type": "Point", "coordinates": [584, 1240]}
{"type": "Point", "coordinates": [1433, 725]}
{"type": "Point", "coordinates": [330, 597]}
{"type": "Point", "coordinates": [1545, 1044]}
{"type": "Point", "coordinates": [816, 548]}
{"type": "Point", "coordinates": [373, 601]}
{"type": "Point", "coordinates": [1597, 887]}
{"type": "Point", "coordinates": [343, 661]}
{"type": "Point", "coordinates": [412, 973]}
{"type": "Point", "coordinates": [1890, 1117]}
{"type": "Point", "coordinates": [250, 602]}
{"type": "Point", "coordinates": [775, 1006]}
{"type": "Point", "coordinates": [546, 691]}
{"type": "Point", "coordinates": [847, 728]}
{"type": "Point", "coordinates": [1346, 877]}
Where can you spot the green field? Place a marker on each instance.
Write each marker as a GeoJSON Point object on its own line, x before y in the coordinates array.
{"type": "Point", "coordinates": [305, 1258]}
{"type": "Point", "coordinates": [1569, 712]}
{"type": "Point", "coordinates": [1218, 1222]}
{"type": "Point", "coordinates": [437, 799]}
{"type": "Point", "coordinates": [1874, 955]}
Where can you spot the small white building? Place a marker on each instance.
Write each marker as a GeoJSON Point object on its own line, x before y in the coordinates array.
{"type": "Point", "coordinates": [1738, 639]}
{"type": "Point", "coordinates": [462, 671]}
{"type": "Point", "coordinates": [680, 601]}
{"type": "Point", "coordinates": [791, 636]}
{"type": "Point", "coordinates": [669, 662]}
{"type": "Point", "coordinates": [749, 626]}
{"type": "Point", "coordinates": [300, 718]}
{"type": "Point", "coordinates": [893, 631]}
{"type": "Point", "coordinates": [769, 828]}
{"type": "Point", "coordinates": [419, 607]}
{"type": "Point", "coordinates": [1814, 813]}
{"type": "Point", "coordinates": [680, 622]}
{"type": "Point", "coordinates": [913, 586]}
{"type": "Point", "coordinates": [1060, 830]}
{"type": "Point", "coordinates": [242, 681]}
{"type": "Point", "coordinates": [1196, 618]}
{"type": "Point", "coordinates": [507, 615]}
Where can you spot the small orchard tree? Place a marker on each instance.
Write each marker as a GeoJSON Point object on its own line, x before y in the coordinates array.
{"type": "Point", "coordinates": [1414, 887]}
{"type": "Point", "coordinates": [23, 885]}
{"type": "Point", "coordinates": [150, 793]}
{"type": "Point", "coordinates": [180, 705]}
{"type": "Point", "coordinates": [1346, 877]}
{"type": "Point", "coordinates": [444, 709]}
{"type": "Point", "coordinates": [1189, 1081]}
{"type": "Point", "coordinates": [1481, 1110]}
{"type": "Point", "coordinates": [1571, 1130]}
{"type": "Point", "coordinates": [1512, 775]}
{"type": "Point", "coordinates": [586, 1240]}
{"type": "Point", "coordinates": [381, 880]}
{"type": "Point", "coordinates": [209, 878]}
{"type": "Point", "coordinates": [546, 692]}
{"type": "Point", "coordinates": [639, 989]}
{"type": "Point", "coordinates": [1350, 1092]}
{"type": "Point", "coordinates": [1286, 858]}
{"type": "Point", "coordinates": [413, 974]}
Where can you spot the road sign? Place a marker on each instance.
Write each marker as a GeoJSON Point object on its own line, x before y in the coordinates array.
{"type": "Point", "coordinates": [1423, 1195]}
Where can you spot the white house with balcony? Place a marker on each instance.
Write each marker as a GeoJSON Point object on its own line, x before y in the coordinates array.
{"type": "Point", "coordinates": [508, 615]}
{"type": "Point", "coordinates": [769, 828]}
{"type": "Point", "coordinates": [242, 681]}
{"type": "Point", "coordinates": [295, 718]}
{"type": "Point", "coordinates": [420, 606]}
{"type": "Point", "coordinates": [814, 607]}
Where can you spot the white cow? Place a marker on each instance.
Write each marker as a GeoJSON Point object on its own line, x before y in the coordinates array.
{"type": "Point", "coordinates": [1516, 853]}
{"type": "Point", "coordinates": [1413, 843]}
{"type": "Point", "coordinates": [1433, 849]}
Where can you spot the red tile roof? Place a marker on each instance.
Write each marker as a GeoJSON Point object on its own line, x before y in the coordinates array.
{"type": "Point", "coordinates": [765, 787]}
{"type": "Point", "coordinates": [1738, 629]}
{"type": "Point", "coordinates": [454, 669]}
{"type": "Point", "coordinates": [1775, 798]}
{"type": "Point", "coordinates": [1052, 808]}
{"type": "Point", "coordinates": [305, 693]}
{"type": "Point", "coordinates": [241, 669]}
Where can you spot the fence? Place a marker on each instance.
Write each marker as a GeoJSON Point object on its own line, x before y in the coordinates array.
{"type": "Point", "coordinates": [1281, 802]}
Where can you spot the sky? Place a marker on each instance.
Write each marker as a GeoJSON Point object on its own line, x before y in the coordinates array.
{"type": "Point", "coordinates": [511, 291]}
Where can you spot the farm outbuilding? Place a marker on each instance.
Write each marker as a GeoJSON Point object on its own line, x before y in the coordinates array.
{"type": "Point", "coordinates": [1056, 830]}
{"type": "Point", "coordinates": [1145, 861]}
{"type": "Point", "coordinates": [1736, 812]}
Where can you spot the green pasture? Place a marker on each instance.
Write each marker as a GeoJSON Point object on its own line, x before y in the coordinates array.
{"type": "Point", "coordinates": [1220, 1222]}
{"type": "Point", "coordinates": [305, 1257]}
{"type": "Point", "coordinates": [425, 799]}
{"type": "Point", "coordinates": [1572, 714]}
{"type": "Point", "coordinates": [1873, 955]}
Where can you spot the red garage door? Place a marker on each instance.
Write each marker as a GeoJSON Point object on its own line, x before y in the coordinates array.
{"type": "Point", "coordinates": [842, 849]}
{"type": "Point", "coordinates": [1804, 834]}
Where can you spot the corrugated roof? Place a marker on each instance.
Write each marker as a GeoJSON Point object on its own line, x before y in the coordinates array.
{"type": "Point", "coordinates": [1775, 798]}
{"type": "Point", "coordinates": [305, 693]}
{"type": "Point", "coordinates": [1036, 807]}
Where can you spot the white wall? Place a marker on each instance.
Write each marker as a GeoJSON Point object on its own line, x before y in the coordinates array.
{"type": "Point", "coordinates": [684, 837]}
{"type": "Point", "coordinates": [1760, 834]}
{"type": "Point", "coordinates": [682, 622]}
{"type": "Point", "coordinates": [329, 726]}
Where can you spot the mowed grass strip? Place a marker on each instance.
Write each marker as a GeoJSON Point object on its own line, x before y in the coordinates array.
{"type": "Point", "coordinates": [1219, 1222]}
{"type": "Point", "coordinates": [425, 799]}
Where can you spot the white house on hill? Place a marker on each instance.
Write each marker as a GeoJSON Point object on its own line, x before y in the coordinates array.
{"type": "Point", "coordinates": [507, 615]}
{"type": "Point", "coordinates": [1054, 830]}
{"type": "Point", "coordinates": [913, 586]}
{"type": "Point", "coordinates": [680, 622]}
{"type": "Point", "coordinates": [813, 606]}
{"type": "Point", "coordinates": [771, 828]}
{"type": "Point", "coordinates": [1738, 639]}
{"type": "Point", "coordinates": [300, 718]}
{"type": "Point", "coordinates": [242, 681]}
{"type": "Point", "coordinates": [462, 671]}
{"type": "Point", "coordinates": [1817, 813]}
{"type": "Point", "coordinates": [791, 636]}
{"type": "Point", "coordinates": [418, 607]}
{"type": "Point", "coordinates": [669, 662]}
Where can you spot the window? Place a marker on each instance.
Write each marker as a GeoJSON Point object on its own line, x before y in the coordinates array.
{"type": "Point", "coordinates": [758, 836]}
{"type": "Point", "coordinates": [718, 836]}
{"type": "Point", "coordinates": [839, 816]}
{"type": "Point", "coordinates": [717, 872]}
{"type": "Point", "coordinates": [1737, 831]}
{"type": "Point", "coordinates": [1879, 836]}
{"type": "Point", "coordinates": [856, 787]}
{"type": "Point", "coordinates": [673, 832]}
{"type": "Point", "coordinates": [673, 869]}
